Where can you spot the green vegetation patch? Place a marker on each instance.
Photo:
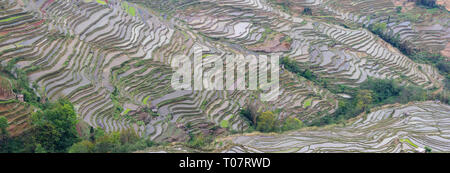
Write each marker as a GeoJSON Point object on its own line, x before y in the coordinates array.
{"type": "Point", "coordinates": [409, 142]}
{"type": "Point", "coordinates": [129, 9]}
{"type": "Point", "coordinates": [224, 123]}
{"type": "Point", "coordinates": [373, 93]}
{"type": "Point", "coordinates": [9, 19]}
{"type": "Point", "coordinates": [132, 11]}
{"type": "Point", "coordinates": [101, 2]}
{"type": "Point", "coordinates": [145, 100]}
{"type": "Point", "coordinates": [268, 122]}
{"type": "Point", "coordinates": [307, 103]}
{"type": "Point", "coordinates": [126, 111]}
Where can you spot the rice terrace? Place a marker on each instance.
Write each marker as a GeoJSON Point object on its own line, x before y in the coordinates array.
{"type": "Point", "coordinates": [224, 76]}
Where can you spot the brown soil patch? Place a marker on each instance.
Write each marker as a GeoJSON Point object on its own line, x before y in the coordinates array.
{"type": "Point", "coordinates": [446, 51]}
{"type": "Point", "coordinates": [405, 4]}
{"type": "Point", "coordinates": [445, 3]}
{"type": "Point", "coordinates": [5, 89]}
{"type": "Point", "coordinates": [272, 44]}
{"type": "Point", "coordinates": [3, 33]}
{"type": "Point", "coordinates": [16, 130]}
{"type": "Point", "coordinates": [7, 107]}
{"type": "Point", "coordinates": [297, 10]}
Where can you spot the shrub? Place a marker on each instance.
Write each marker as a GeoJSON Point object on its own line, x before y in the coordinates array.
{"type": "Point", "coordinates": [84, 146]}
{"type": "Point", "coordinates": [246, 114]}
{"type": "Point", "coordinates": [54, 127]}
{"type": "Point", "coordinates": [199, 141]}
{"type": "Point", "coordinates": [398, 9]}
{"type": "Point", "coordinates": [4, 135]}
{"type": "Point", "coordinates": [266, 122]}
{"type": "Point", "coordinates": [363, 99]}
{"type": "Point", "coordinates": [292, 123]}
{"type": "Point", "coordinates": [293, 67]}
{"type": "Point", "coordinates": [427, 3]}
{"type": "Point", "coordinates": [428, 150]}
{"type": "Point", "coordinates": [307, 11]}
{"type": "Point", "coordinates": [3, 126]}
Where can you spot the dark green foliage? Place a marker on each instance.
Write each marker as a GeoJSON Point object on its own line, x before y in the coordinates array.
{"type": "Point", "coordinates": [440, 62]}
{"type": "Point", "coordinates": [427, 3]}
{"type": "Point", "coordinates": [398, 9]}
{"type": "Point", "coordinates": [246, 114]}
{"type": "Point", "coordinates": [428, 150]}
{"type": "Point", "coordinates": [378, 28]}
{"type": "Point", "coordinates": [3, 126]}
{"type": "Point", "coordinates": [115, 142]}
{"type": "Point", "coordinates": [52, 130]}
{"type": "Point", "coordinates": [390, 91]}
{"type": "Point", "coordinates": [54, 127]}
{"type": "Point", "coordinates": [117, 106]}
{"type": "Point", "coordinates": [20, 144]}
{"type": "Point", "coordinates": [373, 93]}
{"type": "Point", "coordinates": [199, 140]}
{"type": "Point", "coordinates": [405, 47]}
{"type": "Point", "coordinates": [382, 89]}
{"type": "Point", "coordinates": [293, 67]}
{"type": "Point", "coordinates": [84, 146]}
{"type": "Point", "coordinates": [4, 135]}
{"type": "Point", "coordinates": [307, 11]}
{"type": "Point", "coordinates": [39, 149]}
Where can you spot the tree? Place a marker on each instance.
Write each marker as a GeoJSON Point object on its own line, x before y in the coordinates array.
{"type": "Point", "coordinates": [363, 99]}
{"type": "Point", "coordinates": [307, 11]}
{"type": "Point", "coordinates": [3, 127]}
{"type": "Point", "coordinates": [398, 9]}
{"type": "Point", "coordinates": [84, 146]}
{"type": "Point", "coordinates": [246, 114]}
{"type": "Point", "coordinates": [128, 136]}
{"type": "Point", "coordinates": [199, 140]}
{"type": "Point", "coordinates": [292, 123]}
{"type": "Point", "coordinates": [4, 135]}
{"type": "Point", "coordinates": [115, 142]}
{"type": "Point", "coordinates": [382, 89]}
{"type": "Point", "coordinates": [267, 122]}
{"type": "Point", "coordinates": [98, 133]}
{"type": "Point", "coordinates": [54, 127]}
{"type": "Point", "coordinates": [428, 3]}
{"type": "Point", "coordinates": [107, 143]}
{"type": "Point", "coordinates": [48, 137]}
{"type": "Point", "coordinates": [379, 28]}
{"type": "Point", "coordinates": [427, 150]}
{"type": "Point", "coordinates": [39, 149]}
